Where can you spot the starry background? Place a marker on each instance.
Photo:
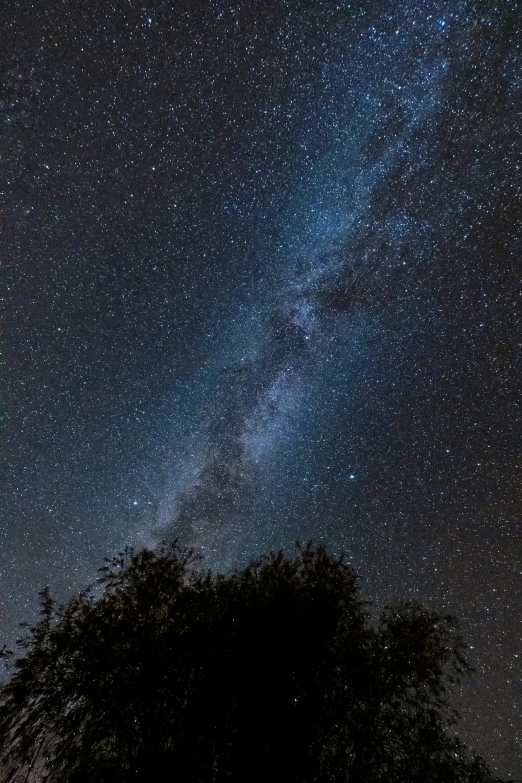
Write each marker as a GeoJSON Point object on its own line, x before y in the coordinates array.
{"type": "Point", "coordinates": [261, 282]}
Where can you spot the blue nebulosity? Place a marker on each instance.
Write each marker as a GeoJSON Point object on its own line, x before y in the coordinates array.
{"type": "Point", "coordinates": [262, 283]}
{"type": "Point", "coordinates": [344, 258]}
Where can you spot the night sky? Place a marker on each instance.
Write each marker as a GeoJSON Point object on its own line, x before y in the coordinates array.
{"type": "Point", "coordinates": [261, 281]}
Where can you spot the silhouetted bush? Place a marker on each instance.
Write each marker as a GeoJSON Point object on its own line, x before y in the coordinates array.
{"type": "Point", "coordinates": [273, 672]}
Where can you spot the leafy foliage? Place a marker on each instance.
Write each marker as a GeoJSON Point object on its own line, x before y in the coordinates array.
{"type": "Point", "coordinates": [171, 673]}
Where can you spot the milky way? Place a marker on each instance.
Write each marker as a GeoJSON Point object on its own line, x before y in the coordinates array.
{"type": "Point", "coordinates": [262, 284]}
{"type": "Point", "coordinates": [355, 259]}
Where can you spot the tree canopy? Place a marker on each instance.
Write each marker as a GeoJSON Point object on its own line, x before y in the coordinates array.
{"type": "Point", "coordinates": [172, 673]}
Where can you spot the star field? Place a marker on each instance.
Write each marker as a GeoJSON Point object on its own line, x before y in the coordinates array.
{"type": "Point", "coordinates": [261, 282]}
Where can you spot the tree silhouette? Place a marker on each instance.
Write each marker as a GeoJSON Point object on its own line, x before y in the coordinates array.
{"type": "Point", "coordinates": [272, 672]}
